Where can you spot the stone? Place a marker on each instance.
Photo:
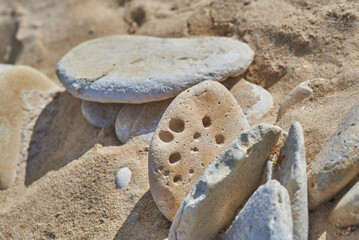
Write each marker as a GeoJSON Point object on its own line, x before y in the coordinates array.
{"type": "Point", "coordinates": [266, 215]}
{"type": "Point", "coordinates": [291, 172]}
{"type": "Point", "coordinates": [13, 80]}
{"type": "Point", "coordinates": [254, 100]}
{"type": "Point", "coordinates": [301, 91]}
{"type": "Point", "coordinates": [225, 185]}
{"type": "Point", "coordinates": [123, 177]}
{"type": "Point", "coordinates": [197, 126]}
{"type": "Point", "coordinates": [100, 115]}
{"type": "Point", "coordinates": [338, 162]}
{"type": "Point", "coordinates": [139, 120]}
{"type": "Point", "coordinates": [139, 69]}
{"type": "Point", "coordinates": [346, 211]}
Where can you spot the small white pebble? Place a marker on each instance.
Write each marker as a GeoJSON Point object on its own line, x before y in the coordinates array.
{"type": "Point", "coordinates": [123, 177]}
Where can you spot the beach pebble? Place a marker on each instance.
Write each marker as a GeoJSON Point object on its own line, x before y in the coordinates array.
{"type": "Point", "coordinates": [197, 126]}
{"type": "Point", "coordinates": [266, 215]}
{"type": "Point", "coordinates": [139, 69]}
{"type": "Point", "coordinates": [338, 162]}
{"type": "Point", "coordinates": [225, 185]}
{"type": "Point", "coordinates": [13, 80]}
{"type": "Point", "coordinates": [254, 100]}
{"type": "Point", "coordinates": [123, 177]}
{"type": "Point", "coordinates": [291, 172]}
{"type": "Point", "coordinates": [346, 212]}
{"type": "Point", "coordinates": [139, 120]}
{"type": "Point", "coordinates": [100, 115]}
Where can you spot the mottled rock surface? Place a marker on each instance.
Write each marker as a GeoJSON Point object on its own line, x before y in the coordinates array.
{"type": "Point", "coordinates": [100, 115]}
{"type": "Point", "coordinates": [198, 125]}
{"type": "Point", "coordinates": [223, 187]}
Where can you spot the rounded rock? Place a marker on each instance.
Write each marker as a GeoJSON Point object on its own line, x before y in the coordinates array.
{"type": "Point", "coordinates": [100, 115]}
{"type": "Point", "coordinates": [123, 177]}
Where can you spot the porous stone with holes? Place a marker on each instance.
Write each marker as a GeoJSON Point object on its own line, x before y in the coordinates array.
{"type": "Point", "coordinates": [196, 127]}
{"type": "Point", "coordinates": [100, 114]}
{"type": "Point", "coordinates": [140, 69]}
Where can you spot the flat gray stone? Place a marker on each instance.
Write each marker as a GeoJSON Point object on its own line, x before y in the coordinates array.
{"type": "Point", "coordinates": [139, 69]}
{"type": "Point", "coordinates": [291, 172]}
{"type": "Point", "coordinates": [346, 212]}
{"type": "Point", "coordinates": [266, 215]}
{"type": "Point", "coordinates": [100, 114]}
{"type": "Point", "coordinates": [223, 187]}
{"type": "Point", "coordinates": [338, 162]}
{"type": "Point", "coordinates": [123, 177]}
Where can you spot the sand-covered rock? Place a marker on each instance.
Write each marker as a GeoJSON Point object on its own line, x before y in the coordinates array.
{"type": "Point", "coordinates": [139, 69]}
{"type": "Point", "coordinates": [100, 115]}
{"type": "Point", "coordinates": [198, 125]}
{"type": "Point", "coordinates": [266, 215]}
{"type": "Point", "coordinates": [223, 187]}
{"type": "Point", "coordinates": [13, 80]}
{"type": "Point", "coordinates": [291, 172]}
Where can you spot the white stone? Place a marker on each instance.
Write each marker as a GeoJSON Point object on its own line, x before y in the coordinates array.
{"type": "Point", "coordinates": [139, 69]}
{"type": "Point", "coordinates": [123, 177]}
{"type": "Point", "coordinates": [100, 115]}
{"type": "Point", "coordinates": [223, 187]}
{"type": "Point", "coordinates": [266, 215]}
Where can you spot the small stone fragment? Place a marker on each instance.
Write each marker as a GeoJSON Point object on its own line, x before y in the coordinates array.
{"type": "Point", "coordinates": [197, 126]}
{"type": "Point", "coordinates": [297, 94]}
{"type": "Point", "coordinates": [13, 80]}
{"type": "Point", "coordinates": [139, 69]}
{"type": "Point", "coordinates": [338, 162]}
{"type": "Point", "coordinates": [346, 212]}
{"type": "Point", "coordinates": [291, 172]}
{"type": "Point", "coordinates": [254, 100]}
{"type": "Point", "coordinates": [100, 115]}
{"type": "Point", "coordinates": [123, 177]}
{"type": "Point", "coordinates": [139, 119]}
{"type": "Point", "coordinates": [223, 187]}
{"type": "Point", "coordinates": [266, 215]}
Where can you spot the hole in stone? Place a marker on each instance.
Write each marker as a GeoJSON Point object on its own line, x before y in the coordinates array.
{"type": "Point", "coordinates": [165, 136]}
{"type": "Point", "coordinates": [219, 139]}
{"type": "Point", "coordinates": [195, 149]}
{"type": "Point", "coordinates": [202, 164]}
{"type": "Point", "coordinates": [174, 157]}
{"type": "Point", "coordinates": [206, 121]}
{"type": "Point", "coordinates": [166, 173]}
{"type": "Point", "coordinates": [176, 125]}
{"type": "Point", "coordinates": [177, 178]}
{"type": "Point", "coordinates": [160, 168]}
{"type": "Point", "coordinates": [191, 171]}
{"type": "Point", "coordinates": [196, 135]}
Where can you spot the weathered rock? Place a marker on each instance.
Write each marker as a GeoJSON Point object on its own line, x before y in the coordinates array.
{"type": "Point", "coordinates": [291, 172]}
{"type": "Point", "coordinates": [254, 100]}
{"type": "Point", "coordinates": [198, 125]}
{"type": "Point", "coordinates": [346, 212]}
{"type": "Point", "coordinates": [225, 185]}
{"type": "Point", "coordinates": [123, 177]}
{"type": "Point", "coordinates": [338, 162]}
{"type": "Point", "coordinates": [139, 119]}
{"type": "Point", "coordinates": [13, 80]}
{"type": "Point", "coordinates": [266, 215]}
{"type": "Point", "coordinates": [139, 69]}
{"type": "Point", "coordinates": [303, 90]}
{"type": "Point", "coordinates": [100, 114]}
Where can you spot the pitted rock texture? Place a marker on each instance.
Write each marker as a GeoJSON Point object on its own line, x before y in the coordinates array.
{"type": "Point", "coordinates": [223, 187]}
{"type": "Point", "coordinates": [346, 212]}
{"type": "Point", "coordinates": [291, 172]}
{"type": "Point", "coordinates": [266, 215]}
{"type": "Point", "coordinates": [139, 69]}
{"type": "Point", "coordinates": [100, 115]}
{"type": "Point", "coordinates": [139, 120]}
{"type": "Point", "coordinates": [338, 162]}
{"type": "Point", "coordinates": [198, 125]}
{"type": "Point", "coordinates": [13, 80]}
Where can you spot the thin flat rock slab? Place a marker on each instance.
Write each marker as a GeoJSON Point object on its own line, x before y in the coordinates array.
{"type": "Point", "coordinates": [291, 172]}
{"type": "Point", "coordinates": [139, 120]}
{"type": "Point", "coordinates": [224, 186]}
{"type": "Point", "coordinates": [266, 215]}
{"type": "Point", "coordinates": [13, 80]}
{"type": "Point", "coordinates": [100, 115]}
{"type": "Point", "coordinates": [346, 212]}
{"type": "Point", "coordinates": [139, 69]}
{"type": "Point", "coordinates": [338, 162]}
{"type": "Point", "coordinates": [198, 125]}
